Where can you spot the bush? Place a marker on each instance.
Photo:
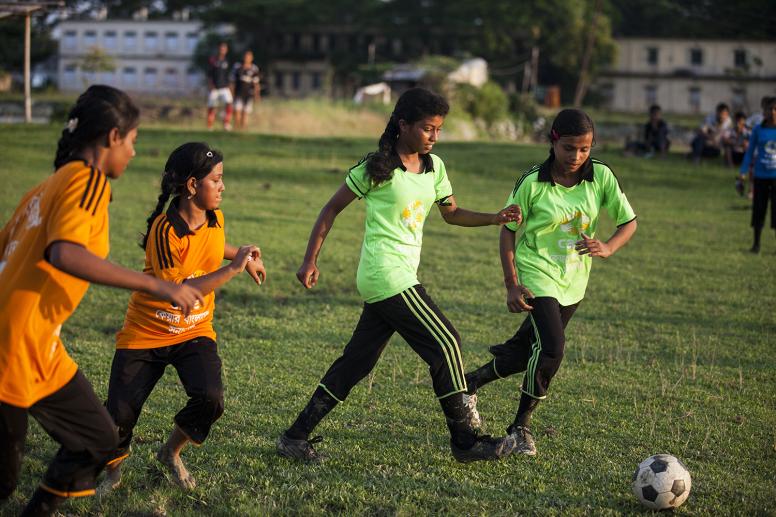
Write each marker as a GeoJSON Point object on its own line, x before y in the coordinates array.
{"type": "Point", "coordinates": [488, 103]}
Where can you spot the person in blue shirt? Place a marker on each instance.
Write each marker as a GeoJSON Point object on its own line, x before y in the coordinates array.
{"type": "Point", "coordinates": [760, 165]}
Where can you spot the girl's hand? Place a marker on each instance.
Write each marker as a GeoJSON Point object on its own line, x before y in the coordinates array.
{"type": "Point", "coordinates": [512, 213]}
{"type": "Point", "coordinates": [244, 255]}
{"type": "Point", "coordinates": [308, 274]}
{"type": "Point", "coordinates": [593, 247]}
{"type": "Point", "coordinates": [183, 296]}
{"type": "Point", "coordinates": [255, 268]}
{"type": "Point", "coordinates": [516, 298]}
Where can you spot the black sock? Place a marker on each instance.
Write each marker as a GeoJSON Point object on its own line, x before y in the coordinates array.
{"type": "Point", "coordinates": [43, 503]}
{"type": "Point", "coordinates": [319, 406]}
{"type": "Point", "coordinates": [480, 377]}
{"type": "Point", "coordinates": [457, 417]}
{"type": "Point", "coordinates": [524, 410]}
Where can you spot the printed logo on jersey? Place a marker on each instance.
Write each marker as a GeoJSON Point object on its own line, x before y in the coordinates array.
{"type": "Point", "coordinates": [413, 214]}
{"type": "Point", "coordinates": [575, 223]}
{"type": "Point", "coordinates": [32, 213]}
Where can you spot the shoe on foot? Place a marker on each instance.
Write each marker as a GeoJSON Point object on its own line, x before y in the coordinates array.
{"type": "Point", "coordinates": [176, 468]}
{"type": "Point", "coordinates": [523, 440]}
{"type": "Point", "coordinates": [470, 403]}
{"type": "Point", "coordinates": [485, 447]}
{"type": "Point", "coordinates": [755, 248]}
{"type": "Point", "coordinates": [111, 482]}
{"type": "Point", "coordinates": [298, 449]}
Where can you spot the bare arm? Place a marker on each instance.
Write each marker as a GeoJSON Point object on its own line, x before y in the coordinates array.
{"type": "Point", "coordinates": [254, 267]}
{"type": "Point", "coordinates": [605, 249]}
{"type": "Point", "coordinates": [308, 273]}
{"type": "Point", "coordinates": [516, 293]}
{"type": "Point", "coordinates": [76, 260]}
{"type": "Point", "coordinates": [453, 214]}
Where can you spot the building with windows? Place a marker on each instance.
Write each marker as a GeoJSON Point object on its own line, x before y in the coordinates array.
{"type": "Point", "coordinates": [149, 56]}
{"type": "Point", "coordinates": [689, 76]}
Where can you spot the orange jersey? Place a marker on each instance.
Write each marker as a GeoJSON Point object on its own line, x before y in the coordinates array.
{"type": "Point", "coordinates": [35, 297]}
{"type": "Point", "coordinates": [174, 252]}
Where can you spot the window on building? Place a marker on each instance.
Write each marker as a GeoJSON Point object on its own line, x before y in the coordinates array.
{"type": "Point", "coordinates": [696, 57]}
{"type": "Point", "coordinates": [149, 77]}
{"type": "Point", "coordinates": [191, 41]}
{"type": "Point", "coordinates": [296, 80]}
{"type": "Point", "coordinates": [108, 77]}
{"type": "Point", "coordinates": [396, 47]}
{"type": "Point", "coordinates": [695, 98]}
{"type": "Point", "coordinates": [171, 78]}
{"type": "Point", "coordinates": [650, 95]}
{"type": "Point", "coordinates": [69, 76]}
{"type": "Point", "coordinates": [151, 41]}
{"type": "Point", "coordinates": [129, 77]}
{"type": "Point", "coordinates": [194, 78]}
{"type": "Point", "coordinates": [279, 81]}
{"type": "Point", "coordinates": [90, 39]}
{"type": "Point", "coordinates": [130, 41]}
{"type": "Point", "coordinates": [296, 42]}
{"type": "Point", "coordinates": [652, 55]}
{"type": "Point", "coordinates": [315, 79]}
{"type": "Point", "coordinates": [70, 40]}
{"type": "Point", "coordinates": [738, 98]}
{"type": "Point", "coordinates": [739, 58]}
{"type": "Point", "coordinates": [109, 40]}
{"type": "Point", "coordinates": [171, 41]}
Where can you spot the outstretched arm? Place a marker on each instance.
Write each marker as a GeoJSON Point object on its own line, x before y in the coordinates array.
{"type": "Point", "coordinates": [76, 260]}
{"type": "Point", "coordinates": [453, 214]}
{"type": "Point", "coordinates": [516, 293]}
{"type": "Point", "coordinates": [308, 273]}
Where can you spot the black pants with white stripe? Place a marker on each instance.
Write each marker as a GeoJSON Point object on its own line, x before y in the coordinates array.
{"type": "Point", "coordinates": [537, 347]}
{"type": "Point", "coordinates": [415, 316]}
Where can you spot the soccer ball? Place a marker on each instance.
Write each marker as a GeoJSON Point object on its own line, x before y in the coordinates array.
{"type": "Point", "coordinates": [661, 482]}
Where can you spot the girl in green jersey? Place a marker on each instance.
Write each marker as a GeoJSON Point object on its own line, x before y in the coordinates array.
{"type": "Point", "coordinates": [547, 268]}
{"type": "Point", "coordinates": [399, 183]}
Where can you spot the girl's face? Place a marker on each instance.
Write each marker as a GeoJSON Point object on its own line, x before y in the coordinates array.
{"type": "Point", "coordinates": [120, 152]}
{"type": "Point", "coordinates": [421, 136]}
{"type": "Point", "coordinates": [210, 188]}
{"type": "Point", "coordinates": [572, 151]}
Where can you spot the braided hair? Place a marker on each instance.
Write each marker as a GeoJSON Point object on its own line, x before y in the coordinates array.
{"type": "Point", "coordinates": [570, 122]}
{"type": "Point", "coordinates": [190, 160]}
{"type": "Point", "coordinates": [96, 112]}
{"type": "Point", "coordinates": [415, 104]}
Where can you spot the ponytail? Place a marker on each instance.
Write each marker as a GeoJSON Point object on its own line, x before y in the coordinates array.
{"type": "Point", "coordinates": [96, 112]}
{"type": "Point", "coordinates": [191, 160]}
{"type": "Point", "coordinates": [415, 104]}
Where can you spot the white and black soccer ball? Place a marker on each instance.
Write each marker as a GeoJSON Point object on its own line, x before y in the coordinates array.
{"type": "Point", "coordinates": [662, 482]}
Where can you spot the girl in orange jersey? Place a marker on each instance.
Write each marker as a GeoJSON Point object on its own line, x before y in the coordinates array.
{"type": "Point", "coordinates": [54, 245]}
{"type": "Point", "coordinates": [184, 244]}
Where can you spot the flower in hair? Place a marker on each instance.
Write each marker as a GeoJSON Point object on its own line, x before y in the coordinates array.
{"type": "Point", "coordinates": [554, 136]}
{"type": "Point", "coordinates": [72, 124]}
{"type": "Point", "coordinates": [209, 154]}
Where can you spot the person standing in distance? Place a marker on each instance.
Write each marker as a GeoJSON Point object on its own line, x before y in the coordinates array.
{"type": "Point", "coordinates": [247, 88]}
{"type": "Point", "coordinates": [218, 86]}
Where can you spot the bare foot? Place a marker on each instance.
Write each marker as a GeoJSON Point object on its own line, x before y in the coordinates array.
{"type": "Point", "coordinates": [111, 482]}
{"type": "Point", "coordinates": [176, 467]}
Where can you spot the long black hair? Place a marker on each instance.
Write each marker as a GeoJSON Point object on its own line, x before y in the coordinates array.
{"type": "Point", "coordinates": [415, 104]}
{"type": "Point", "coordinates": [570, 122]}
{"type": "Point", "coordinates": [98, 110]}
{"type": "Point", "coordinates": [191, 160]}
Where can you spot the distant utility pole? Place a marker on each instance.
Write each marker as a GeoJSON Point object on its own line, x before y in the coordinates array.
{"type": "Point", "coordinates": [582, 84]}
{"type": "Point", "coordinates": [26, 9]}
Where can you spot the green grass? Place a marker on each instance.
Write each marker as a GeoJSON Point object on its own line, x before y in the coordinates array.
{"type": "Point", "coordinates": [671, 351]}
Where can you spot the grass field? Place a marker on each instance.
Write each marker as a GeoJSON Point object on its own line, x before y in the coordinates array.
{"type": "Point", "coordinates": [671, 351]}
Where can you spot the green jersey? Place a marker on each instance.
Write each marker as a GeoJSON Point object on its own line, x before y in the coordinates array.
{"type": "Point", "coordinates": [395, 213]}
{"type": "Point", "coordinates": [554, 217]}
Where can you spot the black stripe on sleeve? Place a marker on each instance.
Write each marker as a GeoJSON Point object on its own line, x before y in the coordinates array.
{"type": "Point", "coordinates": [352, 182]}
{"type": "Point", "coordinates": [99, 198]}
{"type": "Point", "coordinates": [100, 176]}
{"type": "Point", "coordinates": [626, 222]}
{"type": "Point", "coordinates": [160, 258]}
{"type": "Point", "coordinates": [522, 179]}
{"type": "Point", "coordinates": [88, 187]}
{"type": "Point", "coordinates": [166, 244]}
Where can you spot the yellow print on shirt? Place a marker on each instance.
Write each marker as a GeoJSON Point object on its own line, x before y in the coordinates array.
{"type": "Point", "coordinates": [413, 214]}
{"type": "Point", "coordinates": [575, 223]}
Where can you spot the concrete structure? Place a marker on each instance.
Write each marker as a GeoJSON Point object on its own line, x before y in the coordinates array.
{"type": "Point", "coordinates": [689, 76]}
{"type": "Point", "coordinates": [150, 56]}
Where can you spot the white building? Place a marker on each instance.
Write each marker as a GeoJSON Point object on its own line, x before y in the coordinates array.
{"type": "Point", "coordinates": [149, 55]}
{"type": "Point", "coordinates": [689, 76]}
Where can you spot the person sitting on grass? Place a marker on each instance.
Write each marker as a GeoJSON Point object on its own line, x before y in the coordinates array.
{"type": "Point", "coordinates": [655, 136]}
{"type": "Point", "coordinates": [184, 244]}
{"type": "Point", "coordinates": [547, 268]}
{"type": "Point", "coordinates": [759, 165]}
{"type": "Point", "coordinates": [51, 249]}
{"type": "Point", "coordinates": [399, 184]}
{"type": "Point", "coordinates": [736, 141]}
{"type": "Point", "coordinates": [708, 140]}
